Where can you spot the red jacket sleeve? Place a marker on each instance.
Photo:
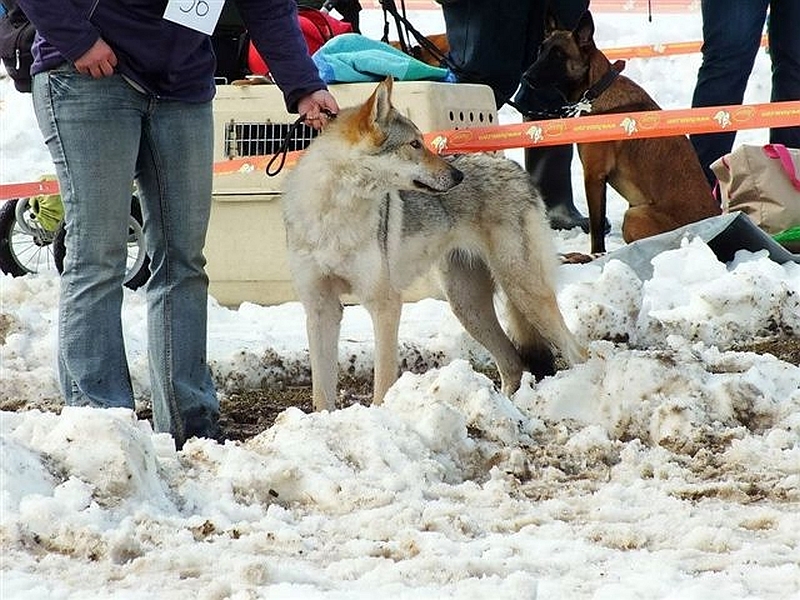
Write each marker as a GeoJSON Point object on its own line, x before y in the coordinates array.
{"type": "Point", "coordinates": [275, 31]}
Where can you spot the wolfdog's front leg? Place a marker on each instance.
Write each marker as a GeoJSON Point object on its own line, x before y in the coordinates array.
{"type": "Point", "coordinates": [385, 315]}
{"type": "Point", "coordinates": [323, 322]}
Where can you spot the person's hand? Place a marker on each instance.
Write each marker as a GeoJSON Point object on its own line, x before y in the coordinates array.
{"type": "Point", "coordinates": [99, 61]}
{"type": "Point", "coordinates": [318, 107]}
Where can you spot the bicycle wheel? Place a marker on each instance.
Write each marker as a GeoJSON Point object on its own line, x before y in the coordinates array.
{"type": "Point", "coordinates": [137, 270]}
{"type": "Point", "coordinates": [25, 246]}
{"type": "Point", "coordinates": [138, 267]}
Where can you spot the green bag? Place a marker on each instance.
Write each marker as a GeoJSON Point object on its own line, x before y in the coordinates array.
{"type": "Point", "coordinates": [48, 208]}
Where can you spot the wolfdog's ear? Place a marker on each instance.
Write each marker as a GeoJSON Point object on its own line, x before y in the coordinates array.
{"type": "Point", "coordinates": [375, 111]}
{"type": "Point", "coordinates": [584, 30]}
{"type": "Point", "coordinates": [382, 100]}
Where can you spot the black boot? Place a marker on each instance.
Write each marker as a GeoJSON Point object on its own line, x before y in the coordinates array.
{"type": "Point", "coordinates": [550, 169]}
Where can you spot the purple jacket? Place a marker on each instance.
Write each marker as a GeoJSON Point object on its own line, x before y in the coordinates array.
{"type": "Point", "coordinates": [167, 59]}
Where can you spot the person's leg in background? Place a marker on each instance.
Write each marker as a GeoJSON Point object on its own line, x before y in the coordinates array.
{"type": "Point", "coordinates": [92, 128]}
{"type": "Point", "coordinates": [494, 43]}
{"type": "Point", "coordinates": [731, 38]}
{"type": "Point", "coordinates": [784, 49]}
{"type": "Point", "coordinates": [551, 167]}
{"type": "Point", "coordinates": [174, 171]}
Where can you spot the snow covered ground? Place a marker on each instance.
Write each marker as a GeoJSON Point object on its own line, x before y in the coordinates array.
{"type": "Point", "coordinates": [667, 466]}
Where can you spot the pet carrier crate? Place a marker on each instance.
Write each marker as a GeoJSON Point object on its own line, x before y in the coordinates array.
{"type": "Point", "coordinates": [245, 246]}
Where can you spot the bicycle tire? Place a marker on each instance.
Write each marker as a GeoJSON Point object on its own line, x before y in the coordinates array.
{"type": "Point", "coordinates": [8, 263]}
{"type": "Point", "coordinates": [21, 251]}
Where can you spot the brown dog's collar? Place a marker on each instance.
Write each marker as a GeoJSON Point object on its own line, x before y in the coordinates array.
{"type": "Point", "coordinates": [575, 109]}
{"type": "Point", "coordinates": [584, 105]}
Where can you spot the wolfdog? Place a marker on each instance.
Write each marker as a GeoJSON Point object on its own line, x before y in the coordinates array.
{"type": "Point", "coordinates": [368, 209]}
{"type": "Point", "coordinates": [661, 178]}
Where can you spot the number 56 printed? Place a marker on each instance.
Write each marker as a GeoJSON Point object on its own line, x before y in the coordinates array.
{"type": "Point", "coordinates": [200, 15]}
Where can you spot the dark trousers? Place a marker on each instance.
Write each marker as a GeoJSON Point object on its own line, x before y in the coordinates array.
{"type": "Point", "coordinates": [493, 42]}
{"type": "Point", "coordinates": [731, 38]}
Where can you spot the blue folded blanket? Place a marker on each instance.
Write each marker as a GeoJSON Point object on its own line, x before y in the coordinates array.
{"type": "Point", "coordinates": [352, 57]}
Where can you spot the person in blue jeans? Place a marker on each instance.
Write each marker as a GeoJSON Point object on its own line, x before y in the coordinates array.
{"type": "Point", "coordinates": [493, 42]}
{"type": "Point", "coordinates": [122, 93]}
{"type": "Point", "coordinates": [731, 39]}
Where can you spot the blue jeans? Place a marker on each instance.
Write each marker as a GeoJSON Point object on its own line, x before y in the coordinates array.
{"type": "Point", "coordinates": [731, 37]}
{"type": "Point", "coordinates": [102, 135]}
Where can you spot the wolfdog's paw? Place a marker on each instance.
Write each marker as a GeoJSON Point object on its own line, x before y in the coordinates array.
{"type": "Point", "coordinates": [578, 258]}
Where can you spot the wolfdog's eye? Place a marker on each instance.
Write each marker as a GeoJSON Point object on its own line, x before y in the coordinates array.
{"type": "Point", "coordinates": [416, 144]}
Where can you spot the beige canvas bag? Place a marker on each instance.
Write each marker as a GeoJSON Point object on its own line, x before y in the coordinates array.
{"type": "Point", "coordinates": [763, 183]}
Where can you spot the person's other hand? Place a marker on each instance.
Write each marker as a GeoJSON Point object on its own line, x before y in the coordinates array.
{"type": "Point", "coordinates": [99, 61]}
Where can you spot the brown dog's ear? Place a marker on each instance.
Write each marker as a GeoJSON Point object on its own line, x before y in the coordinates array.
{"type": "Point", "coordinates": [584, 30]}
{"type": "Point", "coordinates": [551, 21]}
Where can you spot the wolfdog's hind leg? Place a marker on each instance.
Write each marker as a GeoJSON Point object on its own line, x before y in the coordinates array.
{"type": "Point", "coordinates": [537, 325]}
{"type": "Point", "coordinates": [470, 291]}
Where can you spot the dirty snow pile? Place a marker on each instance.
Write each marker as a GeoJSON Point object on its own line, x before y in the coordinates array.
{"type": "Point", "coordinates": [665, 467]}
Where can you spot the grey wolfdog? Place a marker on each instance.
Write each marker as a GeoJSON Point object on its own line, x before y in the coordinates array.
{"type": "Point", "coordinates": [368, 209]}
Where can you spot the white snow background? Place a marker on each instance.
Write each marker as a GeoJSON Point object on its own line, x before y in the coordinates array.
{"type": "Point", "coordinates": [666, 466]}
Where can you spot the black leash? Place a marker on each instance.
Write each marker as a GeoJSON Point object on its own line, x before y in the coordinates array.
{"type": "Point", "coordinates": [539, 115]}
{"type": "Point", "coordinates": [283, 150]}
{"type": "Point", "coordinates": [575, 109]}
{"type": "Point", "coordinates": [390, 8]}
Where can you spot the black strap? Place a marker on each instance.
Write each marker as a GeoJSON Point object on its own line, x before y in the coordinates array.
{"type": "Point", "coordinates": [390, 8]}
{"type": "Point", "coordinates": [541, 114]}
{"type": "Point", "coordinates": [349, 10]}
{"type": "Point", "coordinates": [604, 82]}
{"type": "Point", "coordinates": [404, 27]}
{"type": "Point", "coordinates": [318, 20]}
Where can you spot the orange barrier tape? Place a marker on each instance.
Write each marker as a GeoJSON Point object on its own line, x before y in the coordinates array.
{"type": "Point", "coordinates": [643, 6]}
{"type": "Point", "coordinates": [617, 126]}
{"type": "Point", "coordinates": [254, 163]}
{"type": "Point", "coordinates": [621, 6]}
{"type": "Point", "coordinates": [657, 50]}
{"type": "Point", "coordinates": [593, 128]}
{"type": "Point", "coordinates": [11, 191]}
{"type": "Point", "coordinates": [652, 51]}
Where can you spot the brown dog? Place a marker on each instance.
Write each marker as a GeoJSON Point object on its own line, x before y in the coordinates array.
{"type": "Point", "coordinates": [439, 47]}
{"type": "Point", "coordinates": [661, 178]}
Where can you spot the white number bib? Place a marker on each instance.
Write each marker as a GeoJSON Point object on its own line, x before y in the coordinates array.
{"type": "Point", "coordinates": [200, 15]}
